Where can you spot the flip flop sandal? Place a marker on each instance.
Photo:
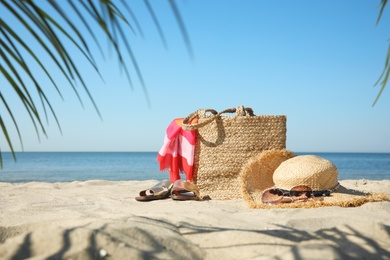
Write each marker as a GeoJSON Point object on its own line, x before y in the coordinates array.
{"type": "Point", "coordinates": [184, 190]}
{"type": "Point", "coordinates": [159, 191]}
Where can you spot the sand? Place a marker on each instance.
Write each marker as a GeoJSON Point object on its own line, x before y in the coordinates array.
{"type": "Point", "coordinates": [101, 219]}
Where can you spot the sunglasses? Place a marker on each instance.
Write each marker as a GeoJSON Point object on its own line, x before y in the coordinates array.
{"type": "Point", "coordinates": [301, 193]}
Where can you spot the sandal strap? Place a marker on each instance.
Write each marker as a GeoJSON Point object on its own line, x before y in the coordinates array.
{"type": "Point", "coordinates": [185, 186]}
{"type": "Point", "coordinates": [161, 187]}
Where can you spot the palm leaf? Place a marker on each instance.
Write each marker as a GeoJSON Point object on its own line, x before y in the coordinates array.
{"type": "Point", "coordinates": [17, 57]}
{"type": "Point", "coordinates": [36, 36]}
{"type": "Point", "coordinates": [386, 70]}
{"type": "Point", "coordinates": [382, 5]}
{"type": "Point", "coordinates": [182, 28]}
{"type": "Point", "coordinates": [384, 77]}
{"type": "Point", "coordinates": [14, 122]}
{"type": "Point", "coordinates": [54, 32]}
{"type": "Point", "coordinates": [131, 13]}
{"type": "Point", "coordinates": [157, 24]}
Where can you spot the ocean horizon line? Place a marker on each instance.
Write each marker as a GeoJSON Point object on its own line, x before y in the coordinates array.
{"type": "Point", "coordinates": [299, 152]}
{"type": "Point", "coordinates": [66, 165]}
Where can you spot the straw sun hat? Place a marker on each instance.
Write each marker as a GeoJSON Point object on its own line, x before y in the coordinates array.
{"type": "Point", "coordinates": [283, 170]}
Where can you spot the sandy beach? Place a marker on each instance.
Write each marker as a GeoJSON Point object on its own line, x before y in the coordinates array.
{"type": "Point", "coordinates": [101, 219]}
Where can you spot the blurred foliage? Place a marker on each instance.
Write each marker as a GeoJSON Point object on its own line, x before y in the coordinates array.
{"type": "Point", "coordinates": [383, 79]}
{"type": "Point", "coordinates": [49, 24]}
{"type": "Point", "coordinates": [56, 27]}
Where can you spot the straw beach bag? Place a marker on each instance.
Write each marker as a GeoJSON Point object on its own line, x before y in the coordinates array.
{"type": "Point", "coordinates": [225, 142]}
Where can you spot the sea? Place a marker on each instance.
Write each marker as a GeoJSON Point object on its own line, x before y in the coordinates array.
{"type": "Point", "coordinates": [125, 166]}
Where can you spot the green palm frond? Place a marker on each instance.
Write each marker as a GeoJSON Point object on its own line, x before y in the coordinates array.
{"type": "Point", "coordinates": [57, 31]}
{"type": "Point", "coordinates": [384, 77]}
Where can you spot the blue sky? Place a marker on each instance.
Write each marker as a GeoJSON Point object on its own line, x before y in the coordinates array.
{"type": "Point", "coordinates": [314, 61]}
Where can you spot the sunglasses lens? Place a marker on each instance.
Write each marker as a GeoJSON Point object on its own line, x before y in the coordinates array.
{"type": "Point", "coordinates": [301, 193]}
{"type": "Point", "coordinates": [272, 196]}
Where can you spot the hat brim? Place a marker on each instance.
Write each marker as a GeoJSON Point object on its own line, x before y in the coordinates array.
{"type": "Point", "coordinates": [343, 197]}
{"type": "Point", "coordinates": [256, 174]}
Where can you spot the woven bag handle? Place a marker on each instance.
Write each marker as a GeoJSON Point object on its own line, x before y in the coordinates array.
{"type": "Point", "coordinates": [240, 111]}
{"type": "Point", "coordinates": [186, 122]}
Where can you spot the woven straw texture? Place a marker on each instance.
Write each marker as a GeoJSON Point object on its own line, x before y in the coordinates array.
{"type": "Point", "coordinates": [287, 171]}
{"type": "Point", "coordinates": [310, 170]}
{"type": "Point", "coordinates": [257, 173]}
{"type": "Point", "coordinates": [227, 142]}
{"type": "Point", "coordinates": [343, 197]}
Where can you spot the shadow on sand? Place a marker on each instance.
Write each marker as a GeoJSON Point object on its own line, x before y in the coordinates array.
{"type": "Point", "coordinates": [149, 238]}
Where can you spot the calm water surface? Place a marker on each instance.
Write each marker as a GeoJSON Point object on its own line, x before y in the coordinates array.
{"type": "Point", "coordinates": [80, 166]}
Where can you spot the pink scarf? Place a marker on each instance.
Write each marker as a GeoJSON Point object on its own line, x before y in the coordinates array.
{"type": "Point", "coordinates": [177, 152]}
